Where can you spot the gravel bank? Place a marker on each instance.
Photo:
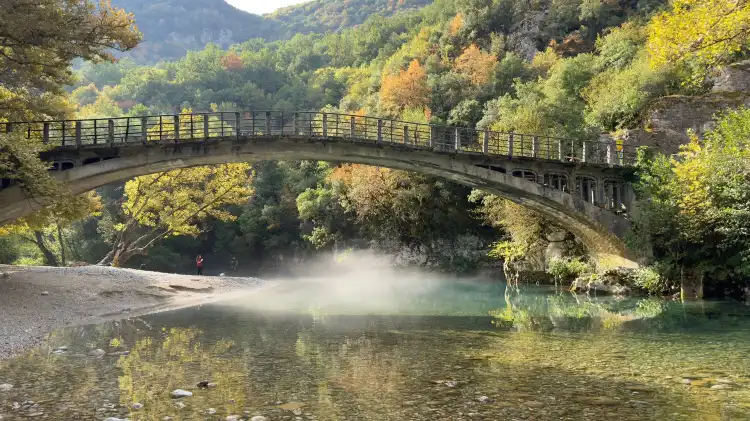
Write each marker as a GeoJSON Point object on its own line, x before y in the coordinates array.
{"type": "Point", "coordinates": [36, 300]}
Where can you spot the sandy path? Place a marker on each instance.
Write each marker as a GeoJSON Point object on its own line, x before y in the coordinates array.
{"type": "Point", "coordinates": [36, 300]}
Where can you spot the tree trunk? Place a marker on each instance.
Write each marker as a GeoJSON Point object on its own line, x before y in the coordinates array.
{"type": "Point", "coordinates": [62, 246]}
{"type": "Point", "coordinates": [49, 258]}
{"type": "Point", "coordinates": [691, 285]}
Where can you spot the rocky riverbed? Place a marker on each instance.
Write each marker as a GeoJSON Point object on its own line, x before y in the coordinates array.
{"type": "Point", "coordinates": [36, 300]}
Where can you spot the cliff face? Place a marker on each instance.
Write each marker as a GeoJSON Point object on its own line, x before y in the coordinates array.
{"type": "Point", "coordinates": [669, 118]}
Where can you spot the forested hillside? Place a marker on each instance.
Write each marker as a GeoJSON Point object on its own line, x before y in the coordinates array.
{"type": "Point", "coordinates": [569, 68]}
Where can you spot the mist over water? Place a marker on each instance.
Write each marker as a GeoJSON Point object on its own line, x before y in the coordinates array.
{"type": "Point", "coordinates": [360, 282]}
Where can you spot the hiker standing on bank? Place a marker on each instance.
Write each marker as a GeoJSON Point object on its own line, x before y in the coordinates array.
{"type": "Point", "coordinates": [199, 264]}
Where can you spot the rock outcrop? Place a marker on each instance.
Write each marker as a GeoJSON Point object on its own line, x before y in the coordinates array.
{"type": "Point", "coordinates": [669, 118]}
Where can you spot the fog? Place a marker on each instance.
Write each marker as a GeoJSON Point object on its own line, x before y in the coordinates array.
{"type": "Point", "coordinates": [360, 282]}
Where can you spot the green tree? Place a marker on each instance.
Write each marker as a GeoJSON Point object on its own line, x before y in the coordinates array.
{"type": "Point", "coordinates": [696, 208]}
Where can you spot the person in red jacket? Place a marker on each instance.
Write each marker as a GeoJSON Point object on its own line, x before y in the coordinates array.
{"type": "Point", "coordinates": [199, 264]}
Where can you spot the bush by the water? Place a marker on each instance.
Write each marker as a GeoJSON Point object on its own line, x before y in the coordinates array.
{"type": "Point", "coordinates": [564, 270]}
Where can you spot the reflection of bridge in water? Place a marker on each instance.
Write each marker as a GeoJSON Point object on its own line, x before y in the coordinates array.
{"type": "Point", "coordinates": [579, 183]}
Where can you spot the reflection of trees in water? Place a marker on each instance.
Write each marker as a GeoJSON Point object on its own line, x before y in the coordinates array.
{"type": "Point", "coordinates": [178, 359]}
{"type": "Point", "coordinates": [572, 312]}
{"type": "Point", "coordinates": [355, 371]}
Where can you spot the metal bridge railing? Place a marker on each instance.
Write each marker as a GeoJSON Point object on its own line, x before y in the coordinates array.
{"type": "Point", "coordinates": [356, 128]}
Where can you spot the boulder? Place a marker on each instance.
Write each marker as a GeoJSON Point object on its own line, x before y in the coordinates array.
{"type": "Point", "coordinates": [617, 281]}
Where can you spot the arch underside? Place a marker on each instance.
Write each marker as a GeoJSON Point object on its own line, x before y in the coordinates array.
{"type": "Point", "coordinates": [600, 230]}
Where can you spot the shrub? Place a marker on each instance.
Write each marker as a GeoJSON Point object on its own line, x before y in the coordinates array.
{"type": "Point", "coordinates": [648, 278]}
{"type": "Point", "coordinates": [568, 269]}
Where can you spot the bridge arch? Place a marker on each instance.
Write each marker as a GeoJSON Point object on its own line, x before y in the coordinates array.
{"type": "Point", "coordinates": [101, 163]}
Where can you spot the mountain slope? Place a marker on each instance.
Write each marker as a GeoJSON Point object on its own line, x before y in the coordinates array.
{"type": "Point", "coordinates": [172, 27]}
{"type": "Point", "coordinates": [335, 15]}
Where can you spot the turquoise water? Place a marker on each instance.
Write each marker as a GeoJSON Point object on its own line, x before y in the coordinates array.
{"type": "Point", "coordinates": [398, 351]}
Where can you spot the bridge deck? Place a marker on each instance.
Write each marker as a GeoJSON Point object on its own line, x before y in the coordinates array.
{"type": "Point", "coordinates": [73, 134]}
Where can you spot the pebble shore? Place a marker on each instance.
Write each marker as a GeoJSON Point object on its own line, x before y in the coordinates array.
{"type": "Point", "coordinates": [37, 300]}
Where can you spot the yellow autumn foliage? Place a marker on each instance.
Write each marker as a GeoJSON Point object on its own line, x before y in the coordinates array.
{"type": "Point", "coordinates": [707, 32]}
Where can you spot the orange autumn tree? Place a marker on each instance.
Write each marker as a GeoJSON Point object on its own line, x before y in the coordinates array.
{"type": "Point", "coordinates": [476, 64]}
{"type": "Point", "coordinates": [232, 62]}
{"type": "Point", "coordinates": [456, 24]}
{"type": "Point", "coordinates": [408, 88]}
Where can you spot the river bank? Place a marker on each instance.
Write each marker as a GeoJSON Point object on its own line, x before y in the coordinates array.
{"type": "Point", "coordinates": [36, 300]}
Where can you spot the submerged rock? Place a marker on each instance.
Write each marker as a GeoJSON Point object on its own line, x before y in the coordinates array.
{"type": "Point", "coordinates": [206, 385]}
{"type": "Point", "coordinates": [233, 418]}
{"type": "Point", "coordinates": [720, 387]}
{"type": "Point", "coordinates": [180, 393]}
{"type": "Point", "coordinates": [98, 353]}
{"type": "Point", "coordinates": [484, 399]}
{"type": "Point", "coordinates": [45, 292]}
{"type": "Point", "coordinates": [259, 418]}
{"type": "Point", "coordinates": [597, 400]}
{"type": "Point", "coordinates": [116, 419]}
{"type": "Point", "coordinates": [136, 406]}
{"type": "Point", "coordinates": [5, 387]}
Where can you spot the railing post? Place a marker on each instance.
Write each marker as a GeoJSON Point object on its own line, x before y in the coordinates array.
{"type": "Point", "coordinates": [96, 134]}
{"type": "Point", "coordinates": [111, 132]}
{"type": "Point", "coordinates": [268, 123]}
{"type": "Point", "coordinates": [406, 134]}
{"type": "Point", "coordinates": [325, 126]}
{"type": "Point", "coordinates": [144, 130]}
{"type": "Point", "coordinates": [457, 143]}
{"type": "Point", "coordinates": [78, 133]}
{"type": "Point", "coordinates": [560, 149]}
{"type": "Point", "coordinates": [295, 124]}
{"type": "Point", "coordinates": [380, 131]}
{"type": "Point", "coordinates": [609, 154]}
{"type": "Point", "coordinates": [45, 133]}
{"type": "Point", "coordinates": [62, 129]}
{"type": "Point", "coordinates": [237, 123]}
{"type": "Point", "coordinates": [432, 136]}
{"type": "Point", "coordinates": [486, 142]}
{"type": "Point", "coordinates": [221, 118]}
{"type": "Point", "coordinates": [534, 146]}
{"type": "Point", "coordinates": [8, 127]}
{"type": "Point", "coordinates": [127, 130]}
{"type": "Point", "coordinates": [176, 128]}
{"type": "Point", "coordinates": [352, 127]}
{"type": "Point", "coordinates": [583, 151]}
{"type": "Point", "coordinates": [205, 126]}
{"type": "Point", "coordinates": [510, 145]}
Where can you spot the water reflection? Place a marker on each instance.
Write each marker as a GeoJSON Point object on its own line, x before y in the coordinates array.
{"type": "Point", "coordinates": [528, 356]}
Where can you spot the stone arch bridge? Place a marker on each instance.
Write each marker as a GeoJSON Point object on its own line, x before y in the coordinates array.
{"type": "Point", "coordinates": [583, 185]}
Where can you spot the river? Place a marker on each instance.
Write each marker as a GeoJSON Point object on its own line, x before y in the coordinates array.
{"type": "Point", "coordinates": [437, 350]}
